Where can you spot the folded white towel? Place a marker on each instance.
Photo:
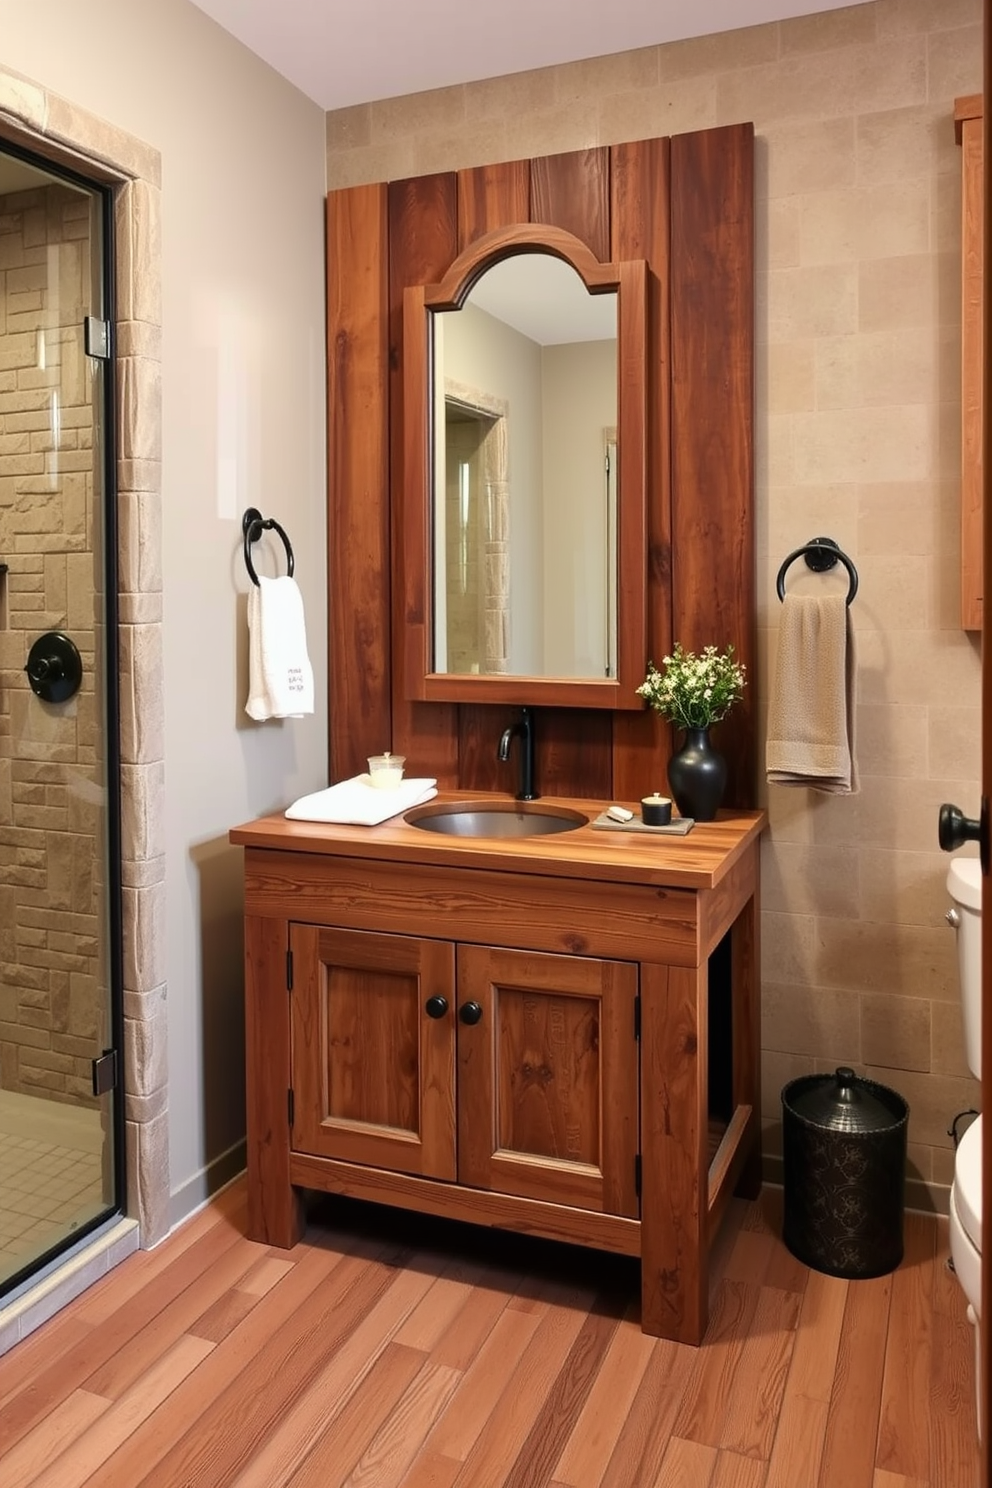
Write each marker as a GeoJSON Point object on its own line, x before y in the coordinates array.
{"type": "Point", "coordinates": [280, 677]}
{"type": "Point", "coordinates": [811, 708]}
{"type": "Point", "coordinates": [357, 802]}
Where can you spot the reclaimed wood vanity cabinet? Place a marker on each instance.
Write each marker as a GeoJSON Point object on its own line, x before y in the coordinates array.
{"type": "Point", "coordinates": [557, 1035]}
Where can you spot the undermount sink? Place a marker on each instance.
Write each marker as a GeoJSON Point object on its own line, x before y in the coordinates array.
{"type": "Point", "coordinates": [495, 819]}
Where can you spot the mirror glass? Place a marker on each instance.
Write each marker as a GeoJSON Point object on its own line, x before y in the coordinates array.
{"type": "Point", "coordinates": [524, 465]}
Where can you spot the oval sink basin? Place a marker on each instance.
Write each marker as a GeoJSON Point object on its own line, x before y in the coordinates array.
{"type": "Point", "coordinates": [495, 819]}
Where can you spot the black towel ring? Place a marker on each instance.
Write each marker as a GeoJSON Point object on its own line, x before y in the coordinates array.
{"type": "Point", "coordinates": [253, 524]}
{"type": "Point", "coordinates": [821, 554]}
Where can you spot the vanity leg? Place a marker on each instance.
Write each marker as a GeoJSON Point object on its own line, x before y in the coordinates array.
{"type": "Point", "coordinates": [747, 1039]}
{"type": "Point", "coordinates": [674, 1193]}
{"type": "Point", "coordinates": [275, 1211]}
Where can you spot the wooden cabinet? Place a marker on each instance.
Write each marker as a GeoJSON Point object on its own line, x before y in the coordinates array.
{"type": "Point", "coordinates": [514, 1071]}
{"type": "Point", "coordinates": [557, 1035]}
{"type": "Point", "coordinates": [968, 127]}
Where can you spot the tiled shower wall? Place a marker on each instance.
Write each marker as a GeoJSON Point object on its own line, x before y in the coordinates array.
{"type": "Point", "coordinates": [857, 438]}
{"type": "Point", "coordinates": [52, 974]}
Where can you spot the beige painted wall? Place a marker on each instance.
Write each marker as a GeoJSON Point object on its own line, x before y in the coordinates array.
{"type": "Point", "coordinates": [858, 332]}
{"type": "Point", "coordinates": [243, 424]}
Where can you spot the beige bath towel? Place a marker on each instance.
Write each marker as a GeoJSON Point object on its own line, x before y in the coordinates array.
{"type": "Point", "coordinates": [811, 713]}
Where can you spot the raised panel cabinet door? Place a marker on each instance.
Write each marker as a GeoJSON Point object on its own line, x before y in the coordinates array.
{"type": "Point", "coordinates": [547, 1077]}
{"type": "Point", "coordinates": [373, 1049]}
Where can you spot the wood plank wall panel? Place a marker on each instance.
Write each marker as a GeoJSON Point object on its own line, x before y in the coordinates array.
{"type": "Point", "coordinates": [686, 207]}
{"type": "Point", "coordinates": [423, 220]}
{"type": "Point", "coordinates": [712, 313]}
{"type": "Point", "coordinates": [357, 461]}
{"type": "Point", "coordinates": [572, 746]}
{"type": "Point", "coordinates": [639, 186]}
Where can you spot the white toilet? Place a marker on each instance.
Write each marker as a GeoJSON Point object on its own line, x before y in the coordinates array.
{"type": "Point", "coordinates": [964, 884]}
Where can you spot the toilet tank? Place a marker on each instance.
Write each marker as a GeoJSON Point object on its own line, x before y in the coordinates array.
{"type": "Point", "coordinates": [964, 884]}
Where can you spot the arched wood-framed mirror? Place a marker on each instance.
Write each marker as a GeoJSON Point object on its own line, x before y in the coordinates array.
{"type": "Point", "coordinates": [472, 639]}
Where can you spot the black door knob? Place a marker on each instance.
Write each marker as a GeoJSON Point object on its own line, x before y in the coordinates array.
{"type": "Point", "coordinates": [954, 829]}
{"type": "Point", "coordinates": [436, 1006]}
{"type": "Point", "coordinates": [470, 1012]}
{"type": "Point", "coordinates": [54, 668]}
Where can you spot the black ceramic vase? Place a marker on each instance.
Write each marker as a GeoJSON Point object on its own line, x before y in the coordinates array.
{"type": "Point", "coordinates": [697, 774]}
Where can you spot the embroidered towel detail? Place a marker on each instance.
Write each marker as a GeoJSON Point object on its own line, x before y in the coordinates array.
{"type": "Point", "coordinates": [280, 677]}
{"type": "Point", "coordinates": [810, 737]}
{"type": "Point", "coordinates": [357, 802]}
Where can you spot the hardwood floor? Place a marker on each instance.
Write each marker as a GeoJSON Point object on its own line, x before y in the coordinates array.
{"type": "Point", "coordinates": [401, 1352]}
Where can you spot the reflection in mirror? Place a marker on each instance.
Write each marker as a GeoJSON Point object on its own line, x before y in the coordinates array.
{"type": "Point", "coordinates": [524, 473]}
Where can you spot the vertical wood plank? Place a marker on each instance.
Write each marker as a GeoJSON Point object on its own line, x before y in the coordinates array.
{"type": "Point", "coordinates": [358, 564]}
{"type": "Point", "coordinates": [745, 955]}
{"type": "Point", "coordinates": [422, 227]}
{"type": "Point", "coordinates": [275, 1213]}
{"type": "Point", "coordinates": [674, 1249]}
{"type": "Point", "coordinates": [491, 196]}
{"type": "Point", "coordinates": [640, 228]}
{"type": "Point", "coordinates": [712, 315]}
{"type": "Point", "coordinates": [572, 191]}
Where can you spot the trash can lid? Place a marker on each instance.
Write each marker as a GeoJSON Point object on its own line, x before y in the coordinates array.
{"type": "Point", "coordinates": [845, 1102]}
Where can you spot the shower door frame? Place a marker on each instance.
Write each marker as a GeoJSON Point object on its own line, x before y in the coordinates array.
{"type": "Point", "coordinates": [57, 131]}
{"type": "Point", "coordinates": [105, 532]}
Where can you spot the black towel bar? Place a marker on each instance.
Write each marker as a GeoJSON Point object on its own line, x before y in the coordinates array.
{"type": "Point", "coordinates": [253, 524]}
{"type": "Point", "coordinates": [821, 554]}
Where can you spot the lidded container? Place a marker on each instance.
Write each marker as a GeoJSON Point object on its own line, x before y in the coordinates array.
{"type": "Point", "coordinates": [844, 1151]}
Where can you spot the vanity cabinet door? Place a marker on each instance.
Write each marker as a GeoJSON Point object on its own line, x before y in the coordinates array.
{"type": "Point", "coordinates": [373, 1049]}
{"type": "Point", "coordinates": [548, 1077]}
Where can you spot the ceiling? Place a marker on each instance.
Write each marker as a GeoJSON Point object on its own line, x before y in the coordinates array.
{"type": "Point", "coordinates": [343, 52]}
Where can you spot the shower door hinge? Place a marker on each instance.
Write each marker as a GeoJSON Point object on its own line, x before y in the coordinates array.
{"type": "Point", "coordinates": [96, 337]}
{"type": "Point", "coordinates": [105, 1072]}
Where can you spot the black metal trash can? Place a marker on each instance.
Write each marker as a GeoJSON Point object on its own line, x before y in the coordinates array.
{"type": "Point", "coordinates": [844, 1147]}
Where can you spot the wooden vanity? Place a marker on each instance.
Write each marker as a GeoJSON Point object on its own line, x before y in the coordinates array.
{"type": "Point", "coordinates": [556, 1035]}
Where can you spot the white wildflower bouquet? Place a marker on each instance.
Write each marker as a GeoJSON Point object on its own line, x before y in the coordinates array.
{"type": "Point", "coordinates": [694, 691]}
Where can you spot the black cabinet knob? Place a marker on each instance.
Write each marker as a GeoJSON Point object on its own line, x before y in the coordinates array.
{"type": "Point", "coordinates": [470, 1012]}
{"type": "Point", "coordinates": [436, 1006]}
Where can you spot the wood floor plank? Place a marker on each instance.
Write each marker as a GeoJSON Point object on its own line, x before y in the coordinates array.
{"type": "Point", "coordinates": [458, 1429]}
{"type": "Point", "coordinates": [315, 1408]}
{"type": "Point", "coordinates": [734, 1471]}
{"type": "Point", "coordinates": [821, 1318]}
{"type": "Point", "coordinates": [55, 1435]}
{"type": "Point", "coordinates": [752, 1415]}
{"type": "Point", "coordinates": [798, 1448]}
{"type": "Point", "coordinates": [498, 1445]}
{"type": "Point", "coordinates": [115, 1425]}
{"type": "Point", "coordinates": [848, 1459]}
{"type": "Point", "coordinates": [69, 1371]}
{"type": "Point", "coordinates": [471, 1326]}
{"type": "Point", "coordinates": [568, 1393]}
{"type": "Point", "coordinates": [398, 1440]}
{"type": "Point", "coordinates": [586, 1455]}
{"type": "Point", "coordinates": [431, 1470]}
{"type": "Point", "coordinates": [952, 1416]}
{"type": "Point", "coordinates": [337, 1449]}
{"type": "Point", "coordinates": [21, 1366]}
{"type": "Point", "coordinates": [119, 1372]}
{"type": "Point", "coordinates": [643, 1439]}
{"type": "Point", "coordinates": [711, 1374]}
{"type": "Point", "coordinates": [903, 1434]}
{"type": "Point", "coordinates": [246, 1379]}
{"type": "Point", "coordinates": [685, 1463]}
{"type": "Point", "coordinates": [885, 1479]}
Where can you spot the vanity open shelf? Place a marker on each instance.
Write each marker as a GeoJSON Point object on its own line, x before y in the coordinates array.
{"type": "Point", "coordinates": [551, 1034]}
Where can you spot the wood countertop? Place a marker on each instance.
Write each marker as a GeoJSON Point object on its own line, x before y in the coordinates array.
{"type": "Point", "coordinates": [697, 861]}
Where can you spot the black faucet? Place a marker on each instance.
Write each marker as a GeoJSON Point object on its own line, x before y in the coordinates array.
{"type": "Point", "coordinates": [525, 732]}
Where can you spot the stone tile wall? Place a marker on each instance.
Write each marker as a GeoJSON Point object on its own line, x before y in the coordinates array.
{"type": "Point", "coordinates": [53, 913]}
{"type": "Point", "coordinates": [857, 437]}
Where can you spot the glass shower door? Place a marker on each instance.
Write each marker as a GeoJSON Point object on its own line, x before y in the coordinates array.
{"type": "Point", "coordinates": [60, 1158]}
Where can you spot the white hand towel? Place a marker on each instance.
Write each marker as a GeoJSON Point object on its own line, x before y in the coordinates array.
{"type": "Point", "coordinates": [280, 677]}
{"type": "Point", "coordinates": [357, 802]}
{"type": "Point", "coordinates": [811, 709]}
